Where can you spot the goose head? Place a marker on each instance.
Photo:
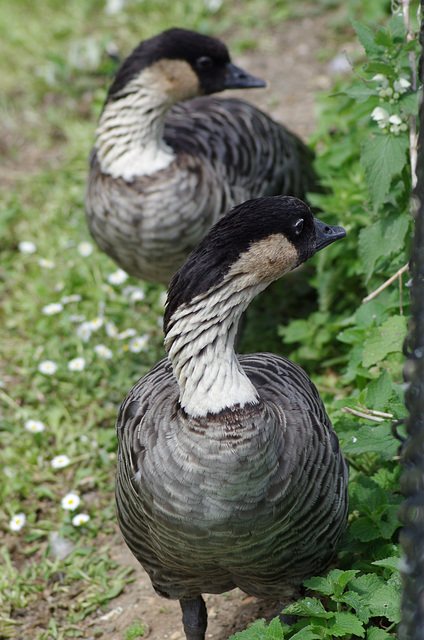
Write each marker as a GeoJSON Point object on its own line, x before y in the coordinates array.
{"type": "Point", "coordinates": [256, 243]}
{"type": "Point", "coordinates": [179, 64]}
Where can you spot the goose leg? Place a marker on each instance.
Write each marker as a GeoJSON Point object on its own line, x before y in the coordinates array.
{"type": "Point", "coordinates": [195, 618]}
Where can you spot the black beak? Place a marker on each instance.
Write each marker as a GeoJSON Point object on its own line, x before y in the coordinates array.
{"type": "Point", "coordinates": [326, 234]}
{"type": "Point", "coordinates": [239, 79]}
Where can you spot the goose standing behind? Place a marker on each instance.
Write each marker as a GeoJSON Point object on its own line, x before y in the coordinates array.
{"type": "Point", "coordinates": [229, 470]}
{"type": "Point", "coordinates": [163, 173]}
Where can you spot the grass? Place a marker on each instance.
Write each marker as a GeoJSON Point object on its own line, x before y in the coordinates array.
{"type": "Point", "coordinates": [56, 571]}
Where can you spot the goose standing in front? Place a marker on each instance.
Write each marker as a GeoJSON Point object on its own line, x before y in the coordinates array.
{"type": "Point", "coordinates": [229, 471]}
{"type": "Point", "coordinates": [163, 173]}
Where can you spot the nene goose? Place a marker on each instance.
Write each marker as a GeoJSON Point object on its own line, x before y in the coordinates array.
{"type": "Point", "coordinates": [163, 173]}
{"type": "Point", "coordinates": [229, 471]}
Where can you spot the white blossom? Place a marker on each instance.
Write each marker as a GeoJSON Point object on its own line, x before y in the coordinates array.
{"type": "Point", "coordinates": [27, 247]}
{"type": "Point", "coordinates": [34, 426]}
{"type": "Point", "coordinates": [118, 277]}
{"type": "Point", "coordinates": [53, 308]}
{"type": "Point", "coordinates": [401, 85]}
{"type": "Point", "coordinates": [46, 264]}
{"type": "Point", "coordinates": [85, 249]}
{"type": "Point", "coordinates": [77, 364]}
{"type": "Point", "coordinates": [138, 344]}
{"type": "Point", "coordinates": [84, 331]}
{"type": "Point", "coordinates": [95, 323]}
{"type": "Point", "coordinates": [103, 351]}
{"type": "Point", "coordinates": [380, 115]}
{"type": "Point", "coordinates": [59, 462]}
{"type": "Point", "coordinates": [17, 522]}
{"type": "Point", "coordinates": [128, 333]}
{"type": "Point", "coordinates": [48, 367]}
{"type": "Point", "coordinates": [111, 330]}
{"type": "Point", "coordinates": [71, 501]}
{"type": "Point", "coordinates": [74, 297]}
{"type": "Point", "coordinates": [80, 518]}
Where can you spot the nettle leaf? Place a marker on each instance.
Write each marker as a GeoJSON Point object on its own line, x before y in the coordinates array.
{"type": "Point", "coordinates": [391, 563]}
{"type": "Point", "coordinates": [379, 391]}
{"type": "Point", "coordinates": [317, 583]}
{"type": "Point", "coordinates": [383, 156]}
{"type": "Point", "coordinates": [360, 92]}
{"type": "Point", "coordinates": [408, 102]}
{"type": "Point", "coordinates": [275, 630]}
{"type": "Point", "coordinates": [343, 623]}
{"type": "Point", "coordinates": [258, 630]}
{"type": "Point", "coordinates": [388, 338]}
{"type": "Point", "coordinates": [366, 37]}
{"type": "Point", "coordinates": [356, 602]}
{"type": "Point", "coordinates": [383, 37]}
{"type": "Point", "coordinates": [339, 579]}
{"type": "Point", "coordinates": [307, 607]}
{"type": "Point", "coordinates": [379, 67]}
{"type": "Point", "coordinates": [380, 239]}
{"type": "Point", "coordinates": [307, 633]}
{"type": "Point", "coordinates": [385, 601]}
{"type": "Point", "coordinates": [373, 633]}
{"type": "Point", "coordinates": [376, 439]}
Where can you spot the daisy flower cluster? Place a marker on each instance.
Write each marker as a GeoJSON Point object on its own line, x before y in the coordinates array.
{"type": "Point", "coordinates": [70, 502]}
{"type": "Point", "coordinates": [128, 340]}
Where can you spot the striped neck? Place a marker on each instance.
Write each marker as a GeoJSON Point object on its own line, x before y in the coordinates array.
{"type": "Point", "coordinates": [200, 345]}
{"type": "Point", "coordinates": [129, 136]}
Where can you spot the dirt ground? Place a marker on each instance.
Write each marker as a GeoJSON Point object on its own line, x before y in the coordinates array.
{"type": "Point", "coordinates": [289, 62]}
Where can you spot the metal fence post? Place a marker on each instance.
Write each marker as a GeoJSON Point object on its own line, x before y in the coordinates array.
{"type": "Point", "coordinates": [411, 513]}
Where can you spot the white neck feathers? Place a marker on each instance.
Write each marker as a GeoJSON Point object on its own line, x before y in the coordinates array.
{"type": "Point", "coordinates": [200, 345]}
{"type": "Point", "coordinates": [129, 136]}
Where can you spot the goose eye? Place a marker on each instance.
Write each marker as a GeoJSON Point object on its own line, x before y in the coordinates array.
{"type": "Point", "coordinates": [298, 227]}
{"type": "Point", "coordinates": [205, 62]}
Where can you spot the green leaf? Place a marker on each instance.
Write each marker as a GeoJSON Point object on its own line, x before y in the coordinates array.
{"type": "Point", "coordinates": [383, 156]}
{"type": "Point", "coordinates": [356, 602]}
{"type": "Point", "coordinates": [367, 38]}
{"type": "Point", "coordinates": [385, 601]}
{"type": "Point", "coordinates": [307, 633]}
{"type": "Point", "coordinates": [307, 607]}
{"type": "Point", "coordinates": [391, 563]}
{"type": "Point", "coordinates": [275, 630]}
{"type": "Point", "coordinates": [346, 623]}
{"type": "Point", "coordinates": [380, 239]}
{"type": "Point", "coordinates": [377, 439]}
{"type": "Point", "coordinates": [388, 338]}
{"type": "Point", "coordinates": [379, 391]}
{"type": "Point", "coordinates": [339, 579]}
{"type": "Point", "coordinates": [408, 102]}
{"type": "Point", "coordinates": [383, 38]}
{"type": "Point", "coordinates": [360, 92]}
{"type": "Point", "coordinates": [317, 583]}
{"type": "Point", "coordinates": [378, 634]}
{"type": "Point", "coordinates": [379, 67]}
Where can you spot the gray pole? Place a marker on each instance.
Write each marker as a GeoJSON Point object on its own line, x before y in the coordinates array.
{"type": "Point", "coordinates": [412, 483]}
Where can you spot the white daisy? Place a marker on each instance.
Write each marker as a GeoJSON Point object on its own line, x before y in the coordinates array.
{"type": "Point", "coordinates": [34, 426]}
{"type": "Point", "coordinates": [59, 462]}
{"type": "Point", "coordinates": [17, 522]}
{"type": "Point", "coordinates": [137, 295]}
{"type": "Point", "coordinates": [138, 344]}
{"type": "Point", "coordinates": [103, 351]}
{"type": "Point", "coordinates": [53, 308]}
{"type": "Point", "coordinates": [27, 247]}
{"type": "Point", "coordinates": [75, 297]}
{"type": "Point", "coordinates": [80, 518]}
{"type": "Point", "coordinates": [47, 367]}
{"type": "Point", "coordinates": [77, 364]}
{"type": "Point", "coordinates": [95, 323]}
{"type": "Point", "coordinates": [111, 330]}
{"type": "Point", "coordinates": [71, 501]}
{"type": "Point", "coordinates": [128, 333]}
{"type": "Point", "coordinates": [84, 331]}
{"type": "Point", "coordinates": [85, 249]}
{"type": "Point", "coordinates": [118, 277]}
{"type": "Point", "coordinates": [46, 264]}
